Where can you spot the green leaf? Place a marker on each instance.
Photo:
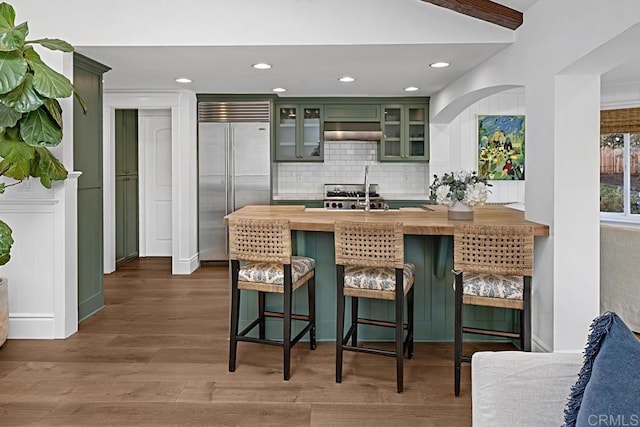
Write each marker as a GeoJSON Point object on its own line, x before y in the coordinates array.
{"type": "Point", "coordinates": [49, 168]}
{"type": "Point", "coordinates": [12, 133]}
{"type": "Point", "coordinates": [53, 44]}
{"type": "Point", "coordinates": [13, 69]}
{"type": "Point", "coordinates": [54, 108]}
{"type": "Point", "coordinates": [23, 98]}
{"type": "Point", "coordinates": [2, 187]}
{"type": "Point", "coordinates": [13, 39]}
{"type": "Point", "coordinates": [7, 16]}
{"type": "Point", "coordinates": [46, 81]}
{"type": "Point", "coordinates": [5, 243]}
{"type": "Point", "coordinates": [17, 157]}
{"type": "Point", "coordinates": [39, 129]}
{"type": "Point", "coordinates": [8, 116]}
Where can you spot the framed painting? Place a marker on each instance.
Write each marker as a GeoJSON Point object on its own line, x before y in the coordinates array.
{"type": "Point", "coordinates": [501, 147]}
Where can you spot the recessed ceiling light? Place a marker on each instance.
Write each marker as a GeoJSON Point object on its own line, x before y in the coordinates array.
{"type": "Point", "coordinates": [439, 64]}
{"type": "Point", "coordinates": [279, 89]}
{"type": "Point", "coordinates": [261, 66]}
{"type": "Point", "coordinates": [346, 79]}
{"type": "Point", "coordinates": [183, 80]}
{"type": "Point", "coordinates": [411, 89]}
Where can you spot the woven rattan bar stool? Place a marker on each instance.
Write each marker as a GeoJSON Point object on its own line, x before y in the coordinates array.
{"type": "Point", "coordinates": [264, 246]}
{"type": "Point", "coordinates": [370, 264]}
{"type": "Point", "coordinates": [493, 266]}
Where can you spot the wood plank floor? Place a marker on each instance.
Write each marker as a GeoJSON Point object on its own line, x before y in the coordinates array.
{"type": "Point", "coordinates": [157, 354]}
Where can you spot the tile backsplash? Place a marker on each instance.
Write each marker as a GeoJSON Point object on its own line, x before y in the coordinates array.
{"type": "Point", "coordinates": [344, 163]}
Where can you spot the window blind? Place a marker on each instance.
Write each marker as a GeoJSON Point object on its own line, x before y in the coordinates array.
{"type": "Point", "coordinates": [624, 120]}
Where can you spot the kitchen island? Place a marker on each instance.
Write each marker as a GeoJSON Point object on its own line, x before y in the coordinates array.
{"type": "Point", "coordinates": [428, 245]}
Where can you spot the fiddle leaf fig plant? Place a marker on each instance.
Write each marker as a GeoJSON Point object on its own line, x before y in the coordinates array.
{"type": "Point", "coordinates": [30, 114]}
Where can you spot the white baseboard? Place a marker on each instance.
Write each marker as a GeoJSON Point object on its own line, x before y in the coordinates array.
{"type": "Point", "coordinates": [538, 345]}
{"type": "Point", "coordinates": [31, 326]}
{"type": "Point", "coordinates": [185, 266]}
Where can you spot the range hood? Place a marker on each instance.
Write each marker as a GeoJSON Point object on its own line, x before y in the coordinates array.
{"type": "Point", "coordinates": [352, 131]}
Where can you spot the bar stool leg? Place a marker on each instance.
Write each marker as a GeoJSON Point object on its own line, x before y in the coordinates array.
{"type": "Point", "coordinates": [354, 321]}
{"type": "Point", "coordinates": [458, 333]}
{"type": "Point", "coordinates": [235, 312]}
{"type": "Point", "coordinates": [311, 288]}
{"type": "Point", "coordinates": [525, 316]}
{"type": "Point", "coordinates": [410, 300]}
{"type": "Point", "coordinates": [286, 335]}
{"type": "Point", "coordinates": [262, 323]}
{"type": "Point", "coordinates": [340, 321]}
{"type": "Point", "coordinates": [399, 329]}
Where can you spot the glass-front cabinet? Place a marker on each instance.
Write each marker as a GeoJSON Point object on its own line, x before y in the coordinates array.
{"type": "Point", "coordinates": [405, 133]}
{"type": "Point", "coordinates": [298, 133]}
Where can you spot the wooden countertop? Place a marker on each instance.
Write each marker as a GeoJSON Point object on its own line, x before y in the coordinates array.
{"type": "Point", "coordinates": [428, 220]}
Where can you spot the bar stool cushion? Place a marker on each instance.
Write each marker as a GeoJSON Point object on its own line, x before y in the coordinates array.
{"type": "Point", "coordinates": [273, 273]}
{"type": "Point", "coordinates": [492, 286]}
{"type": "Point", "coordinates": [376, 278]}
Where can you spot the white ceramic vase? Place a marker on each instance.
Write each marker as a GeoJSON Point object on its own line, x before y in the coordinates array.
{"type": "Point", "coordinates": [460, 211]}
{"type": "Point", "coordinates": [4, 309]}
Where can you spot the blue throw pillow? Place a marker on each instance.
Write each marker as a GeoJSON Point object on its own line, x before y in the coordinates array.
{"type": "Point", "coordinates": [608, 389]}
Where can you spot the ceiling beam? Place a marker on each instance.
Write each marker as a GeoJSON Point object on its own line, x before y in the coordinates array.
{"type": "Point", "coordinates": [483, 9]}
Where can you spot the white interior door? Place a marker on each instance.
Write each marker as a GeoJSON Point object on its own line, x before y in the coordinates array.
{"type": "Point", "coordinates": [154, 128]}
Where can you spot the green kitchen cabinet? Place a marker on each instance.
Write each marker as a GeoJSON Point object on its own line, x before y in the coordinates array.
{"type": "Point", "coordinates": [405, 129]}
{"type": "Point", "coordinates": [306, 203]}
{"type": "Point", "coordinates": [87, 157]}
{"type": "Point", "coordinates": [298, 133]}
{"type": "Point", "coordinates": [126, 189]}
{"type": "Point", "coordinates": [352, 113]}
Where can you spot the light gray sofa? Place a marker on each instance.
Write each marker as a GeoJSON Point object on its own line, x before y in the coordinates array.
{"type": "Point", "coordinates": [513, 388]}
{"type": "Point", "coordinates": [619, 272]}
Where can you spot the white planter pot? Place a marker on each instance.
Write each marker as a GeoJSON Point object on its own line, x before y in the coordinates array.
{"type": "Point", "coordinates": [4, 309]}
{"type": "Point", "coordinates": [460, 211]}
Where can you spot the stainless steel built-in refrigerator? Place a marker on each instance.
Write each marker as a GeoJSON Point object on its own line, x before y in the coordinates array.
{"type": "Point", "coordinates": [233, 168]}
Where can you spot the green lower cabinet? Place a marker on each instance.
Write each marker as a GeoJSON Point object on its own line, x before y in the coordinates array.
{"type": "Point", "coordinates": [306, 203]}
{"type": "Point", "coordinates": [397, 204]}
{"type": "Point", "coordinates": [434, 295]}
{"type": "Point", "coordinates": [87, 157]}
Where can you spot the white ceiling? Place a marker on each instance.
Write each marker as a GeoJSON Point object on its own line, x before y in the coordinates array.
{"type": "Point", "coordinates": [520, 5]}
{"type": "Point", "coordinates": [628, 71]}
{"type": "Point", "coordinates": [308, 70]}
{"type": "Point", "coordinates": [380, 70]}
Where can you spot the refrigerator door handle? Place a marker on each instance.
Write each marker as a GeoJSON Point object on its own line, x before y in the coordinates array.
{"type": "Point", "coordinates": [226, 171]}
{"type": "Point", "coordinates": [233, 168]}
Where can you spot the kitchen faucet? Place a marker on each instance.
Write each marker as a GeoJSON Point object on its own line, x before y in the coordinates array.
{"type": "Point", "coordinates": [367, 201]}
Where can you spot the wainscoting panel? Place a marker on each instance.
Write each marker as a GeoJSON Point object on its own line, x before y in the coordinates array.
{"type": "Point", "coordinates": [31, 271]}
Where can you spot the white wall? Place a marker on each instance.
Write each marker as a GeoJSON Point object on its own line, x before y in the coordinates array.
{"type": "Point", "coordinates": [620, 95]}
{"type": "Point", "coordinates": [457, 147]}
{"type": "Point", "coordinates": [43, 271]}
{"type": "Point", "coordinates": [562, 104]}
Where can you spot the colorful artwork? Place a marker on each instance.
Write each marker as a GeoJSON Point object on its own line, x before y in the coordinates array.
{"type": "Point", "coordinates": [501, 147]}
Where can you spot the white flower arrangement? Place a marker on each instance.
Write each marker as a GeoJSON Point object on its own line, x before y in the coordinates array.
{"type": "Point", "coordinates": [464, 186]}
